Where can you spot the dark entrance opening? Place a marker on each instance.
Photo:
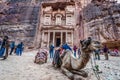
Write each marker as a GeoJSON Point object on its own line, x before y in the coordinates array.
{"type": "Point", "coordinates": [58, 42]}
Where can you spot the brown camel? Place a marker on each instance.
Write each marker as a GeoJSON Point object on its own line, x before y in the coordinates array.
{"type": "Point", "coordinates": [71, 66]}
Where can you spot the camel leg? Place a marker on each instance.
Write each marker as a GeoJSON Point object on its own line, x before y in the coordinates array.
{"type": "Point", "coordinates": [80, 72]}
{"type": "Point", "coordinates": [78, 77]}
{"type": "Point", "coordinates": [67, 73]}
{"type": "Point", "coordinates": [71, 75]}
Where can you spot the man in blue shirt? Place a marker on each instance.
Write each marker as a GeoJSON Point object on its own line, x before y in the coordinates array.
{"type": "Point", "coordinates": [66, 46]}
{"type": "Point", "coordinates": [12, 46]}
{"type": "Point", "coordinates": [51, 47]}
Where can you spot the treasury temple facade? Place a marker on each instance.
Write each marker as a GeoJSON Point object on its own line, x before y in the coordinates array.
{"type": "Point", "coordinates": [58, 24]}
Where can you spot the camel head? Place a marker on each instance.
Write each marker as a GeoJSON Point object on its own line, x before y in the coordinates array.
{"type": "Point", "coordinates": [90, 44]}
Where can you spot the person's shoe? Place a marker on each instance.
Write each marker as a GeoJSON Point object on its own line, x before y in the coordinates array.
{"type": "Point", "coordinates": [4, 58]}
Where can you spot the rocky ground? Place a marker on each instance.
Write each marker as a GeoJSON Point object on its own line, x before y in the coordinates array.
{"type": "Point", "coordinates": [24, 68]}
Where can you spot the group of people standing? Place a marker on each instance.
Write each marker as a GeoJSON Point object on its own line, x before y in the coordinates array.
{"type": "Point", "coordinates": [16, 48]}
{"type": "Point", "coordinates": [64, 46]}
{"type": "Point", "coordinates": [5, 44]}
{"type": "Point", "coordinates": [104, 51]}
{"type": "Point", "coordinates": [76, 51]}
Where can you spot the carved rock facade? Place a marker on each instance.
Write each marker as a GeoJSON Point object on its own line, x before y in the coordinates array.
{"type": "Point", "coordinates": [102, 22]}
{"type": "Point", "coordinates": [58, 24]}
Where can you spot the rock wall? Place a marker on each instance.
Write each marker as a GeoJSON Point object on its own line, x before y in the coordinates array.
{"type": "Point", "coordinates": [18, 33]}
{"type": "Point", "coordinates": [102, 20]}
{"type": "Point", "coordinates": [19, 20]}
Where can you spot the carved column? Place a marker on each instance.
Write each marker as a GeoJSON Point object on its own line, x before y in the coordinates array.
{"type": "Point", "coordinates": [66, 36]}
{"type": "Point", "coordinates": [61, 37]}
{"type": "Point", "coordinates": [42, 39]}
{"type": "Point", "coordinates": [54, 38]}
{"type": "Point", "coordinates": [48, 38]}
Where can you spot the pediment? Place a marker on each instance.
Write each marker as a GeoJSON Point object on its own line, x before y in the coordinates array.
{"type": "Point", "coordinates": [58, 28]}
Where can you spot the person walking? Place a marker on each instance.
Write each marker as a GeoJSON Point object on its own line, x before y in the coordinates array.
{"type": "Point", "coordinates": [51, 50]}
{"type": "Point", "coordinates": [4, 47]}
{"type": "Point", "coordinates": [75, 49]}
{"type": "Point", "coordinates": [105, 50]}
{"type": "Point", "coordinates": [12, 46]}
{"type": "Point", "coordinates": [97, 54]}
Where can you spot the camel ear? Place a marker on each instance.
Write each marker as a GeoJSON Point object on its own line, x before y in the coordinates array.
{"type": "Point", "coordinates": [81, 41]}
{"type": "Point", "coordinates": [89, 38]}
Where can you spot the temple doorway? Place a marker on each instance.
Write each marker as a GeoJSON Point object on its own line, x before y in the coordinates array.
{"type": "Point", "coordinates": [57, 39]}
{"type": "Point", "coordinates": [58, 42]}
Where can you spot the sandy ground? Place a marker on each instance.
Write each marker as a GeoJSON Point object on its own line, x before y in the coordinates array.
{"type": "Point", "coordinates": [23, 68]}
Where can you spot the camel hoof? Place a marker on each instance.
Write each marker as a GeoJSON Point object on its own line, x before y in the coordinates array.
{"type": "Point", "coordinates": [85, 74]}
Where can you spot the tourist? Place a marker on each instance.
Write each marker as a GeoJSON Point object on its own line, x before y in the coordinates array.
{"type": "Point", "coordinates": [4, 47]}
{"type": "Point", "coordinates": [12, 46]}
{"type": "Point", "coordinates": [61, 50]}
{"type": "Point", "coordinates": [0, 42]}
{"type": "Point", "coordinates": [51, 50]}
{"type": "Point", "coordinates": [79, 52]}
{"type": "Point", "coordinates": [75, 49]}
{"type": "Point", "coordinates": [66, 47]}
{"type": "Point", "coordinates": [57, 59]}
{"type": "Point", "coordinates": [105, 50]}
{"type": "Point", "coordinates": [19, 49]}
{"type": "Point", "coordinates": [116, 51]}
{"type": "Point", "coordinates": [97, 54]}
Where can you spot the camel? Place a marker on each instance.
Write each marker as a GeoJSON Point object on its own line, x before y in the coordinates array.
{"type": "Point", "coordinates": [72, 66]}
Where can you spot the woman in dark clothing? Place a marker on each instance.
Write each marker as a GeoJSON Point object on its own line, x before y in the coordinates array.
{"type": "Point", "coordinates": [57, 59]}
{"type": "Point", "coordinates": [79, 52]}
{"type": "Point", "coordinates": [75, 48]}
{"type": "Point", "coordinates": [4, 46]}
{"type": "Point", "coordinates": [105, 50]}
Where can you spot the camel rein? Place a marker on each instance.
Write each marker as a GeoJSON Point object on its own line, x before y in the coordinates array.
{"type": "Point", "coordinates": [95, 67]}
